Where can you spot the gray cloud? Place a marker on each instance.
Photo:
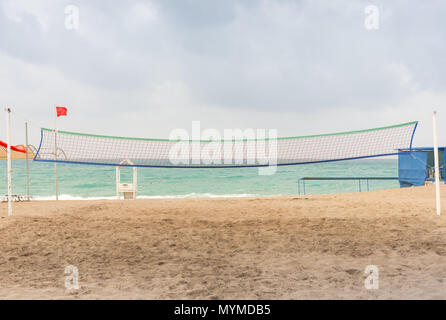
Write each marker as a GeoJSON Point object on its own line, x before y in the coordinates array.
{"type": "Point", "coordinates": [173, 61]}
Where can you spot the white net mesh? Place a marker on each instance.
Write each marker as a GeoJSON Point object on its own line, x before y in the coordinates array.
{"type": "Point", "coordinates": [105, 150]}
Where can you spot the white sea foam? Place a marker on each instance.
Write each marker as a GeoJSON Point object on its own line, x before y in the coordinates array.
{"type": "Point", "coordinates": [182, 196]}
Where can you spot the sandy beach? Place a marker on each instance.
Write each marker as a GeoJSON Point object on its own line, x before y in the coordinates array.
{"type": "Point", "coordinates": [306, 247]}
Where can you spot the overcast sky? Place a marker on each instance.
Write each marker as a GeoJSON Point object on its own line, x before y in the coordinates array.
{"type": "Point", "coordinates": [144, 68]}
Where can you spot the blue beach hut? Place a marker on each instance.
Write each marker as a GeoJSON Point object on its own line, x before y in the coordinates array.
{"type": "Point", "coordinates": [416, 166]}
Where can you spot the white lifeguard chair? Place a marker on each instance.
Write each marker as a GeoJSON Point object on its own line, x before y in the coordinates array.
{"type": "Point", "coordinates": [127, 189]}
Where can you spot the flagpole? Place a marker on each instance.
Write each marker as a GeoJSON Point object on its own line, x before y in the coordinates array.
{"type": "Point", "coordinates": [8, 152]}
{"type": "Point", "coordinates": [55, 153]}
{"type": "Point", "coordinates": [27, 164]}
{"type": "Point", "coordinates": [436, 165]}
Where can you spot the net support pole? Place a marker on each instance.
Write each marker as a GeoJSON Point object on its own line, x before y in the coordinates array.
{"type": "Point", "coordinates": [437, 165]}
{"type": "Point", "coordinates": [8, 148]}
{"type": "Point", "coordinates": [55, 153]}
{"type": "Point", "coordinates": [26, 157]}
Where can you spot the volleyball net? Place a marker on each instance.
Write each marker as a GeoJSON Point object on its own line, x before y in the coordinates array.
{"type": "Point", "coordinates": [82, 148]}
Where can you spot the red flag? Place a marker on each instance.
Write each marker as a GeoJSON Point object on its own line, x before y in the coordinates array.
{"type": "Point", "coordinates": [61, 111]}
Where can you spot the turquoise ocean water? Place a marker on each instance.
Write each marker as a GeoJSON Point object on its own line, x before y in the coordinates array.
{"type": "Point", "coordinates": [92, 182]}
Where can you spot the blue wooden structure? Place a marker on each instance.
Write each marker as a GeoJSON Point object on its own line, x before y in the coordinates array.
{"type": "Point", "coordinates": [416, 166]}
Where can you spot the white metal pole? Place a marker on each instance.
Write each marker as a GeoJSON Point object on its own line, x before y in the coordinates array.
{"type": "Point", "coordinates": [118, 181]}
{"type": "Point", "coordinates": [55, 153]}
{"type": "Point", "coordinates": [8, 148]}
{"type": "Point", "coordinates": [26, 155]}
{"type": "Point", "coordinates": [135, 181]}
{"type": "Point", "coordinates": [437, 165]}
